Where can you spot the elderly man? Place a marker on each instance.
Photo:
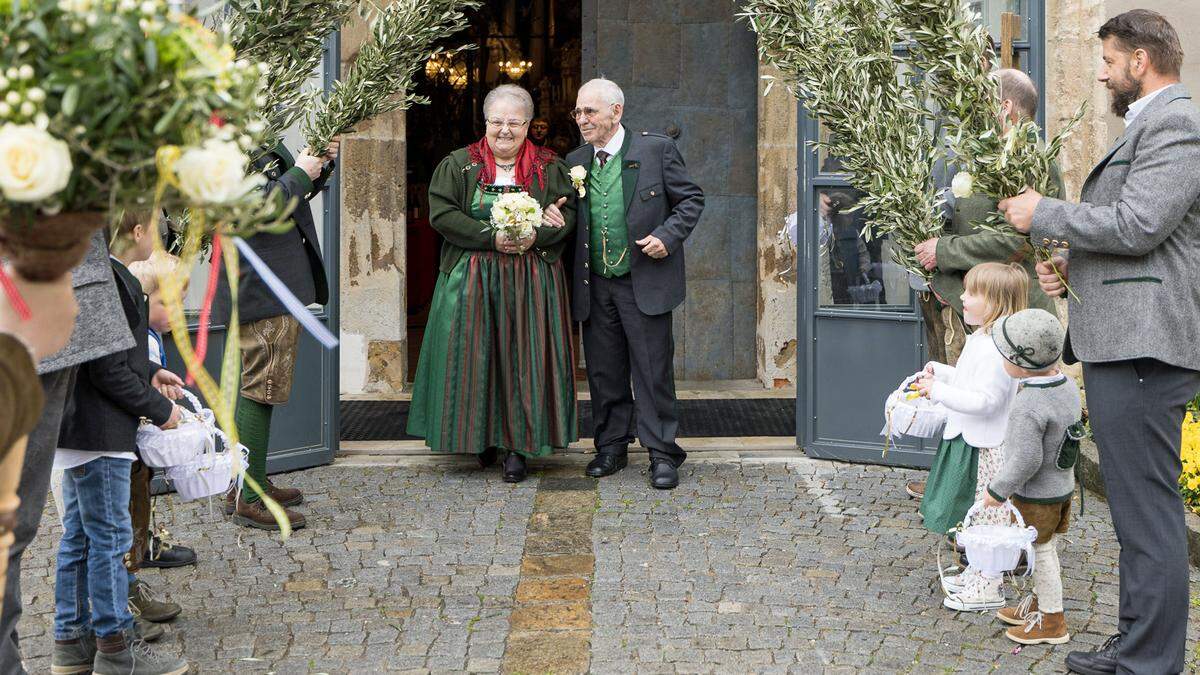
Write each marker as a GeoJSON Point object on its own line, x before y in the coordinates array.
{"type": "Point", "coordinates": [1135, 249]}
{"type": "Point", "coordinates": [637, 207]}
{"type": "Point", "coordinates": [965, 245]}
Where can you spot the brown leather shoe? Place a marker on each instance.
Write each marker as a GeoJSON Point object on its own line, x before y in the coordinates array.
{"type": "Point", "coordinates": [915, 489]}
{"type": "Point", "coordinates": [283, 496]}
{"type": "Point", "coordinates": [1040, 629]}
{"type": "Point", "coordinates": [256, 515]}
{"type": "Point", "coordinates": [1016, 616]}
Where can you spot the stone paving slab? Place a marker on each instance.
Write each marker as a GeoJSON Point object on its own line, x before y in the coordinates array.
{"type": "Point", "coordinates": [752, 565]}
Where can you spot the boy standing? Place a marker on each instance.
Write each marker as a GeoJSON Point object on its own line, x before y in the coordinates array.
{"type": "Point", "coordinates": [1041, 448]}
{"type": "Point", "coordinates": [93, 628]}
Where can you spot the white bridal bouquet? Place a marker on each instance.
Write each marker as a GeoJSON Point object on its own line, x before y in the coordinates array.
{"type": "Point", "coordinates": [516, 214]}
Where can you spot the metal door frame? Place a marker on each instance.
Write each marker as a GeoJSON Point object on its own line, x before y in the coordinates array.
{"type": "Point", "coordinates": [909, 452]}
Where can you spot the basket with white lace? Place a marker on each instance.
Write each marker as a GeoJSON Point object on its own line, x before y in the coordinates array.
{"type": "Point", "coordinates": [191, 438]}
{"type": "Point", "coordinates": [906, 413]}
{"type": "Point", "coordinates": [993, 551]}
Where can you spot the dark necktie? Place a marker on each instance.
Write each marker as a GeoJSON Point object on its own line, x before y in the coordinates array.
{"type": "Point", "coordinates": [602, 156]}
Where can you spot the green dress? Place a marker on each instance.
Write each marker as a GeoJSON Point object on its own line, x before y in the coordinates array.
{"type": "Point", "coordinates": [497, 366]}
{"type": "Point", "coordinates": [950, 488]}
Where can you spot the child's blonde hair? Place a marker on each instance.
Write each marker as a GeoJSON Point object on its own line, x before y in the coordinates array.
{"type": "Point", "coordinates": [1003, 286]}
{"type": "Point", "coordinates": [147, 271]}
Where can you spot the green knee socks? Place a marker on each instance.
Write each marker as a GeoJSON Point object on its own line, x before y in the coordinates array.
{"type": "Point", "coordinates": [254, 429]}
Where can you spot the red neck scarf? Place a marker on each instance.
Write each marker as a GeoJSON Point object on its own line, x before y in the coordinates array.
{"type": "Point", "coordinates": [531, 163]}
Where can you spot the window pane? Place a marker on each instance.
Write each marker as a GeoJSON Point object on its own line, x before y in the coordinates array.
{"type": "Point", "coordinates": [854, 273]}
{"type": "Point", "coordinates": [990, 12]}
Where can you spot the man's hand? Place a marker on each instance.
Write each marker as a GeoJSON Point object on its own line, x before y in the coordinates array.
{"type": "Point", "coordinates": [174, 420]}
{"type": "Point", "coordinates": [168, 384]}
{"type": "Point", "coordinates": [1052, 283]}
{"type": "Point", "coordinates": [927, 253]}
{"type": "Point", "coordinates": [310, 163]}
{"type": "Point", "coordinates": [990, 502]}
{"type": "Point", "coordinates": [825, 205]}
{"type": "Point", "coordinates": [552, 217]}
{"type": "Point", "coordinates": [1018, 211]}
{"type": "Point", "coordinates": [53, 309]}
{"type": "Point", "coordinates": [653, 247]}
{"type": "Point", "coordinates": [331, 151]}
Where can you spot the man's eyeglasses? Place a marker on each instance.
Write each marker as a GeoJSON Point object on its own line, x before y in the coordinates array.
{"type": "Point", "coordinates": [586, 112]}
{"type": "Point", "coordinates": [507, 124]}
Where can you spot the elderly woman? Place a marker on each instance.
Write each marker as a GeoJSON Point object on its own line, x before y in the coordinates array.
{"type": "Point", "coordinates": [496, 366]}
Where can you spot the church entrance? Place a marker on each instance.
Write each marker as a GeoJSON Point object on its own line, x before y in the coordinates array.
{"type": "Point", "coordinates": [532, 43]}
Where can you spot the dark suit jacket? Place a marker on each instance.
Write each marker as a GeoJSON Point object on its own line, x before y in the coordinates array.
{"type": "Point", "coordinates": [660, 199]}
{"type": "Point", "coordinates": [113, 392]}
{"type": "Point", "coordinates": [294, 255]}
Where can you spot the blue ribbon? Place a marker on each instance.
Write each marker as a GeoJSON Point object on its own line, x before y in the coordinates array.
{"type": "Point", "coordinates": [289, 300]}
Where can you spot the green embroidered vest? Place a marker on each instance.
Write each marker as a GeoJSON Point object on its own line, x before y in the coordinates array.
{"type": "Point", "coordinates": [609, 232]}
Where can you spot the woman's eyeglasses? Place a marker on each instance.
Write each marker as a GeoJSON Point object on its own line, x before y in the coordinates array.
{"type": "Point", "coordinates": [507, 124]}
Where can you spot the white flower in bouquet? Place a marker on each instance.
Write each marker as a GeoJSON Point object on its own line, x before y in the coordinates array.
{"type": "Point", "coordinates": [215, 173]}
{"type": "Point", "coordinates": [578, 175]}
{"type": "Point", "coordinates": [516, 214]}
{"type": "Point", "coordinates": [33, 164]}
{"type": "Point", "coordinates": [963, 185]}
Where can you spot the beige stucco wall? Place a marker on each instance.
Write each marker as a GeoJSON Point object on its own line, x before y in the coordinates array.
{"type": "Point", "coordinates": [373, 308]}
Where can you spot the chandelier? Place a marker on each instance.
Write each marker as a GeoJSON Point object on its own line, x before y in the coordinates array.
{"type": "Point", "coordinates": [515, 69]}
{"type": "Point", "coordinates": [444, 69]}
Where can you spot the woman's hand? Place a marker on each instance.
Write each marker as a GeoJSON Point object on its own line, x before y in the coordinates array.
{"type": "Point", "coordinates": [525, 244]}
{"type": "Point", "coordinates": [503, 243]}
{"type": "Point", "coordinates": [925, 386]}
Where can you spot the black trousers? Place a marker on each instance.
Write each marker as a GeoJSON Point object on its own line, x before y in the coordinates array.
{"type": "Point", "coordinates": [621, 343]}
{"type": "Point", "coordinates": [1136, 409]}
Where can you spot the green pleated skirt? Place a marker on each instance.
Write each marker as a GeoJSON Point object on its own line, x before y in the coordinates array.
{"type": "Point", "coordinates": [950, 488]}
{"type": "Point", "coordinates": [496, 366]}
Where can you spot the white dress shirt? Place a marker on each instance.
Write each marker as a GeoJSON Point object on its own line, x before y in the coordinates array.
{"type": "Point", "coordinates": [614, 144]}
{"type": "Point", "coordinates": [1139, 105]}
{"type": "Point", "coordinates": [977, 393]}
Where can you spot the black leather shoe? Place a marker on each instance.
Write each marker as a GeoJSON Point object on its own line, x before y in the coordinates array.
{"type": "Point", "coordinates": [663, 475]}
{"type": "Point", "coordinates": [486, 458]}
{"type": "Point", "coordinates": [514, 468]}
{"type": "Point", "coordinates": [1102, 661]}
{"type": "Point", "coordinates": [164, 556]}
{"type": "Point", "coordinates": [606, 464]}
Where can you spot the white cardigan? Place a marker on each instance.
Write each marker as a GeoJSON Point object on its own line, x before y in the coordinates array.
{"type": "Point", "coordinates": [978, 394]}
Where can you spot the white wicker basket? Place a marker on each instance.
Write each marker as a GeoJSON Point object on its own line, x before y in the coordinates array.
{"type": "Point", "coordinates": [917, 416]}
{"type": "Point", "coordinates": [996, 549]}
{"type": "Point", "coordinates": [193, 437]}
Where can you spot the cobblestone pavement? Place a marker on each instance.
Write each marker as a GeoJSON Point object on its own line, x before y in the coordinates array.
{"type": "Point", "coordinates": [752, 565]}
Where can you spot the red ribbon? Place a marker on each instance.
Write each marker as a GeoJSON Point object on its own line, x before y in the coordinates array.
{"type": "Point", "coordinates": [206, 309]}
{"type": "Point", "coordinates": [14, 296]}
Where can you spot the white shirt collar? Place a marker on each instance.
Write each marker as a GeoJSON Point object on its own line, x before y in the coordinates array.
{"type": "Point", "coordinates": [615, 143]}
{"type": "Point", "coordinates": [1139, 105]}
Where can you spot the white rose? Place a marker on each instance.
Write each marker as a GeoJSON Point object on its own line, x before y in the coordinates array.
{"type": "Point", "coordinates": [26, 72]}
{"type": "Point", "coordinates": [963, 185]}
{"type": "Point", "coordinates": [13, 98]}
{"type": "Point", "coordinates": [33, 164]}
{"type": "Point", "coordinates": [41, 121]}
{"type": "Point", "coordinates": [12, 73]}
{"type": "Point", "coordinates": [149, 8]}
{"type": "Point", "coordinates": [5, 109]}
{"type": "Point", "coordinates": [215, 173]}
{"type": "Point", "coordinates": [28, 109]}
{"type": "Point", "coordinates": [578, 173]}
{"type": "Point", "coordinates": [3, 82]}
{"type": "Point", "coordinates": [36, 95]}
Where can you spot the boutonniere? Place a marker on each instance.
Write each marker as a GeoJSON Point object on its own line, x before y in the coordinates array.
{"type": "Point", "coordinates": [578, 175]}
{"type": "Point", "coordinates": [633, 164]}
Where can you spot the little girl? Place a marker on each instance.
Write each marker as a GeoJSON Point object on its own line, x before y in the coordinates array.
{"type": "Point", "coordinates": [977, 394]}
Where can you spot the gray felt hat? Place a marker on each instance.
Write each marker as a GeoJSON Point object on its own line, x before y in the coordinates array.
{"type": "Point", "coordinates": [1031, 338]}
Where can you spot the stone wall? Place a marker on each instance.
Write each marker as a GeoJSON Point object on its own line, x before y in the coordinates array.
{"type": "Point", "coordinates": [373, 312]}
{"type": "Point", "coordinates": [775, 347]}
{"type": "Point", "coordinates": [1072, 63]}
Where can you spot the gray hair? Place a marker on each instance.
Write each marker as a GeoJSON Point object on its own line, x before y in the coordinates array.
{"type": "Point", "coordinates": [510, 92]}
{"type": "Point", "coordinates": [608, 89]}
{"type": "Point", "coordinates": [1018, 87]}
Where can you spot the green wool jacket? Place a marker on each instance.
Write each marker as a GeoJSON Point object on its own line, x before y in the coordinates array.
{"type": "Point", "coordinates": [965, 245]}
{"type": "Point", "coordinates": [450, 192]}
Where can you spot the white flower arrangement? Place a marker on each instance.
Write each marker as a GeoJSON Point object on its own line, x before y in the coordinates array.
{"type": "Point", "coordinates": [34, 165]}
{"type": "Point", "coordinates": [215, 173]}
{"type": "Point", "coordinates": [516, 214]}
{"type": "Point", "coordinates": [578, 176]}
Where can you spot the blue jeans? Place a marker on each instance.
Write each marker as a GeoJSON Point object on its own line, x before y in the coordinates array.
{"type": "Point", "coordinates": [91, 586]}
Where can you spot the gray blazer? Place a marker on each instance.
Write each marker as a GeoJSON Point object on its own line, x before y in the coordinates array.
{"type": "Point", "coordinates": [1134, 242]}
{"type": "Point", "coordinates": [660, 199]}
{"type": "Point", "coordinates": [101, 327]}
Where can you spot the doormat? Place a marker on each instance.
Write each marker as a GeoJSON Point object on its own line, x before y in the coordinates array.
{"type": "Point", "coordinates": [698, 418]}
